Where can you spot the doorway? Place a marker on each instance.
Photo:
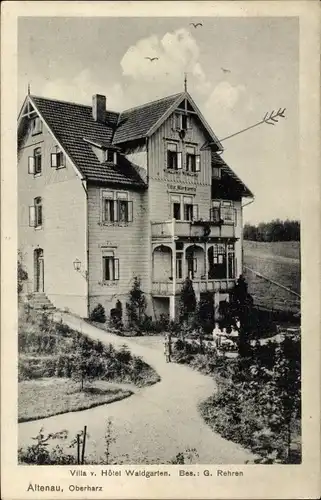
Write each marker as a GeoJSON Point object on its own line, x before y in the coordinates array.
{"type": "Point", "coordinates": [39, 270]}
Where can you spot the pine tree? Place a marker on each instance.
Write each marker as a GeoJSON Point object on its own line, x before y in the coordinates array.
{"type": "Point", "coordinates": [136, 306]}
{"type": "Point", "coordinates": [187, 300]}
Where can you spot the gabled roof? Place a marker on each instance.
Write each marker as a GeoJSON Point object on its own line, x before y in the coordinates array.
{"type": "Point", "coordinates": [70, 123]}
{"type": "Point", "coordinates": [142, 121]}
{"type": "Point", "coordinates": [217, 160]}
{"type": "Point", "coordinates": [135, 123]}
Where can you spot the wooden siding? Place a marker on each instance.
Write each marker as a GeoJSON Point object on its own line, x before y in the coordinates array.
{"type": "Point", "coordinates": [130, 244]}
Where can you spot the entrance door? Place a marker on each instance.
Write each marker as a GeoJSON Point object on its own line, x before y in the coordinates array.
{"type": "Point", "coordinates": [39, 270]}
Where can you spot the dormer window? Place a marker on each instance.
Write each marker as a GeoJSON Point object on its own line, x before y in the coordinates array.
{"type": "Point", "coordinates": [111, 156]}
{"type": "Point", "coordinates": [36, 126]}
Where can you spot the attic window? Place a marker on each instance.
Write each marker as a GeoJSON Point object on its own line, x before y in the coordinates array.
{"type": "Point", "coordinates": [181, 121]}
{"type": "Point", "coordinates": [111, 156]}
{"type": "Point", "coordinates": [58, 159]}
{"type": "Point", "coordinates": [36, 126]}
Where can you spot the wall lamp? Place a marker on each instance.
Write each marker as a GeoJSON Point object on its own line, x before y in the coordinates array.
{"type": "Point", "coordinates": [77, 267]}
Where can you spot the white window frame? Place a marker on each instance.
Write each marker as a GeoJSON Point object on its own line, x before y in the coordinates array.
{"type": "Point", "coordinates": [225, 207]}
{"type": "Point", "coordinates": [110, 256]}
{"type": "Point", "coordinates": [32, 162]}
{"type": "Point", "coordinates": [173, 147]}
{"type": "Point", "coordinates": [34, 213]}
{"type": "Point", "coordinates": [54, 159]}
{"type": "Point", "coordinates": [182, 199]}
{"type": "Point", "coordinates": [116, 198]}
{"type": "Point", "coordinates": [115, 156]}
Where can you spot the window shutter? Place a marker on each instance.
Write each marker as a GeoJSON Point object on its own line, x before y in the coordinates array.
{"type": "Point", "coordinates": [194, 265]}
{"type": "Point", "coordinates": [130, 211]}
{"type": "Point", "coordinates": [54, 162]}
{"type": "Point", "coordinates": [235, 217]}
{"type": "Point", "coordinates": [179, 161]}
{"type": "Point", "coordinates": [32, 216]}
{"type": "Point", "coordinates": [197, 163]}
{"type": "Point", "coordinates": [116, 269]}
{"type": "Point", "coordinates": [195, 212]}
{"type": "Point", "coordinates": [31, 165]}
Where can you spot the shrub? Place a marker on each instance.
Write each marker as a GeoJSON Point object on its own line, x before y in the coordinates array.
{"type": "Point", "coordinates": [136, 306]}
{"type": "Point", "coordinates": [98, 314]}
{"type": "Point", "coordinates": [116, 315]}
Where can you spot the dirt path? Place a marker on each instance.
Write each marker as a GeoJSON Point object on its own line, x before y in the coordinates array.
{"type": "Point", "coordinates": [157, 422]}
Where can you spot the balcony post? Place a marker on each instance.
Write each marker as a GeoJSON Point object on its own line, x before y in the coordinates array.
{"type": "Point", "coordinates": [172, 298]}
{"type": "Point", "coordinates": [206, 265]}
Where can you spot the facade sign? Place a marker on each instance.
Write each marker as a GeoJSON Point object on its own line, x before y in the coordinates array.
{"type": "Point", "coordinates": [180, 187]}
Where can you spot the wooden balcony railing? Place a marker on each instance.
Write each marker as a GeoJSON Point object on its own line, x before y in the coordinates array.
{"type": "Point", "coordinates": [193, 229]}
{"type": "Point", "coordinates": [165, 288]}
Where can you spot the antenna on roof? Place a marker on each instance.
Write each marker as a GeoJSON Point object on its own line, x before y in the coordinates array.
{"type": "Point", "coordinates": [28, 88]}
{"type": "Point", "coordinates": [185, 82]}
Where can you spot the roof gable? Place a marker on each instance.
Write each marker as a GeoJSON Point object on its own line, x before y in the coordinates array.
{"type": "Point", "coordinates": [70, 123]}
{"type": "Point", "coordinates": [218, 161]}
{"type": "Point", "coordinates": [135, 123]}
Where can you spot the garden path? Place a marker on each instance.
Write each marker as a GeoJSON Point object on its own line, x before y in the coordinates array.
{"type": "Point", "coordinates": [156, 422]}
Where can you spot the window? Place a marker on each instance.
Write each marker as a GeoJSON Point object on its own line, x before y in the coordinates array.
{"type": "Point", "coordinates": [190, 210]}
{"type": "Point", "coordinates": [35, 213]}
{"type": "Point", "coordinates": [217, 261]}
{"type": "Point", "coordinates": [216, 172]}
{"type": "Point", "coordinates": [110, 267]}
{"type": "Point", "coordinates": [222, 211]}
{"type": "Point", "coordinates": [36, 126]}
{"type": "Point", "coordinates": [111, 156]}
{"type": "Point", "coordinates": [231, 260]}
{"type": "Point", "coordinates": [191, 266]}
{"type": "Point", "coordinates": [58, 159]}
{"type": "Point", "coordinates": [192, 159]}
{"type": "Point", "coordinates": [123, 207]}
{"type": "Point", "coordinates": [35, 163]}
{"type": "Point", "coordinates": [183, 208]}
{"type": "Point", "coordinates": [227, 212]}
{"type": "Point", "coordinates": [108, 207]}
{"type": "Point", "coordinates": [181, 121]}
{"type": "Point", "coordinates": [116, 207]}
{"type": "Point", "coordinates": [174, 158]}
{"type": "Point", "coordinates": [179, 265]}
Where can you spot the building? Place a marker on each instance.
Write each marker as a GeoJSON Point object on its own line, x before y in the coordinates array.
{"type": "Point", "coordinates": [107, 196]}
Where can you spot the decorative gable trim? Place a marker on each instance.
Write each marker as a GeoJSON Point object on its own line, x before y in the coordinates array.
{"type": "Point", "coordinates": [173, 107]}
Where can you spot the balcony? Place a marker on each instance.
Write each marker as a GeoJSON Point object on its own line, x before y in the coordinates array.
{"type": "Point", "coordinates": [165, 288]}
{"type": "Point", "coordinates": [191, 229]}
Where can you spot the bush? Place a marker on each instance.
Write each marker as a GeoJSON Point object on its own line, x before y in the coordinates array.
{"type": "Point", "coordinates": [98, 314]}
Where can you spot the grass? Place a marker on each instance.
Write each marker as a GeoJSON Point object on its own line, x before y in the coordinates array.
{"type": "Point", "coordinates": [278, 261]}
{"type": "Point", "coordinates": [49, 357]}
{"type": "Point", "coordinates": [46, 397]}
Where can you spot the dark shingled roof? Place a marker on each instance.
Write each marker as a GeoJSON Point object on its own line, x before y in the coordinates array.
{"type": "Point", "coordinates": [217, 160]}
{"type": "Point", "coordinates": [70, 123]}
{"type": "Point", "coordinates": [135, 123]}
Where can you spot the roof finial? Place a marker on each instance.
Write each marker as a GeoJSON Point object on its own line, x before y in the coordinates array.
{"type": "Point", "coordinates": [185, 82]}
{"type": "Point", "coordinates": [28, 88]}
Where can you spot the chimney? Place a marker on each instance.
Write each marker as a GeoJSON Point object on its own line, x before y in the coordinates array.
{"type": "Point", "coordinates": [99, 108]}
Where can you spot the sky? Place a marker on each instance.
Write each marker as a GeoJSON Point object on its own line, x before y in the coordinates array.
{"type": "Point", "coordinates": [74, 58]}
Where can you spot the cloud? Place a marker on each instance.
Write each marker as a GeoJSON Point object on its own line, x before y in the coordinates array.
{"type": "Point", "coordinates": [177, 53]}
{"type": "Point", "coordinates": [225, 95]}
{"type": "Point", "coordinates": [81, 89]}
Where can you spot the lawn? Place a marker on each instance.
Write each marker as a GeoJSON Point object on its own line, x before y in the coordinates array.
{"type": "Point", "coordinates": [45, 397]}
{"type": "Point", "coordinates": [280, 262]}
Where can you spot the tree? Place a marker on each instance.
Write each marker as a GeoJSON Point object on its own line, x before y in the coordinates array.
{"type": "Point", "coordinates": [83, 362]}
{"type": "Point", "coordinates": [205, 313]}
{"type": "Point", "coordinates": [98, 314]}
{"type": "Point", "coordinates": [187, 300]}
{"type": "Point", "coordinates": [240, 308]}
{"type": "Point", "coordinates": [22, 274]}
{"type": "Point", "coordinates": [136, 306]}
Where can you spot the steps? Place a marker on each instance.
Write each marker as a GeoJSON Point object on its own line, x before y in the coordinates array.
{"type": "Point", "coordinates": [39, 300]}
